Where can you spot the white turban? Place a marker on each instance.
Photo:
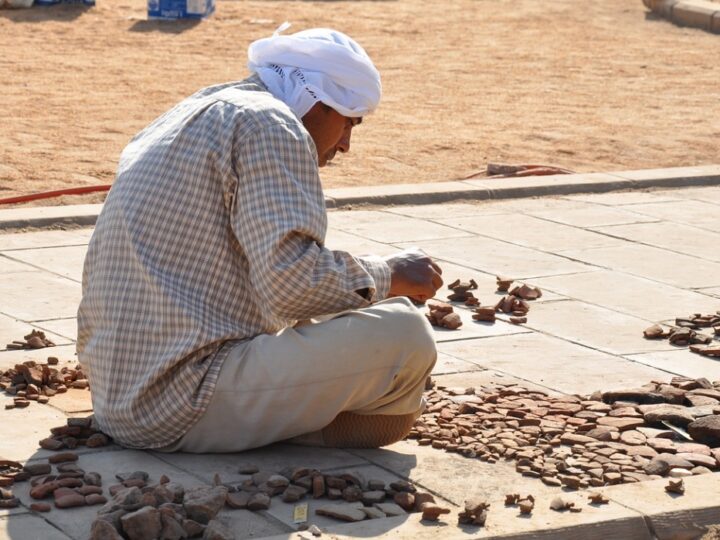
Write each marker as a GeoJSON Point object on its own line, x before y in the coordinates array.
{"type": "Point", "coordinates": [317, 65]}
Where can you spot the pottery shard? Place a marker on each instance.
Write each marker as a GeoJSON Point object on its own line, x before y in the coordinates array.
{"type": "Point", "coordinates": [654, 332]}
{"type": "Point", "coordinates": [662, 463]}
{"type": "Point", "coordinates": [675, 414]}
{"type": "Point", "coordinates": [238, 499]}
{"type": "Point", "coordinates": [405, 500]}
{"type": "Point", "coordinates": [601, 433]}
{"type": "Point", "coordinates": [706, 430]}
{"type": "Point", "coordinates": [390, 509]}
{"type": "Point", "coordinates": [698, 459]}
{"type": "Point", "coordinates": [621, 423]}
{"type": "Point", "coordinates": [69, 500]}
{"type": "Point", "coordinates": [203, 503]}
{"type": "Point", "coordinates": [36, 469]}
{"type": "Point", "coordinates": [344, 512]}
{"type": "Point", "coordinates": [635, 395]}
{"type": "Point", "coordinates": [318, 486]}
{"type": "Point", "coordinates": [102, 530]}
{"type": "Point", "coordinates": [216, 530]}
{"type": "Point", "coordinates": [573, 438]}
{"type": "Point", "coordinates": [51, 444]}
{"type": "Point", "coordinates": [172, 529]}
{"type": "Point", "coordinates": [258, 501]}
{"type": "Point", "coordinates": [633, 438]}
{"type": "Point", "coordinates": [371, 497]}
{"type": "Point", "coordinates": [432, 512]}
{"type": "Point", "coordinates": [293, 494]}
{"type": "Point", "coordinates": [143, 524]}
{"type": "Point", "coordinates": [63, 457]}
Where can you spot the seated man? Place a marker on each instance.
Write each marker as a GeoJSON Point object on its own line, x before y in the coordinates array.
{"type": "Point", "coordinates": [210, 249]}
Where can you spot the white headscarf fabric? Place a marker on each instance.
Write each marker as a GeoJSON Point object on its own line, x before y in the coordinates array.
{"type": "Point", "coordinates": [317, 65]}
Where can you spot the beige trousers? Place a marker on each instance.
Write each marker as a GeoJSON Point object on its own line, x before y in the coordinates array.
{"type": "Point", "coordinates": [275, 387]}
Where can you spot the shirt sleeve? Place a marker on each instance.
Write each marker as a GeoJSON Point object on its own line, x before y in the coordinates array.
{"type": "Point", "coordinates": [279, 219]}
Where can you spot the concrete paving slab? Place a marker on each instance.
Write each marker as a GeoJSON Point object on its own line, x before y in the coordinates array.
{"type": "Point", "coordinates": [499, 258]}
{"type": "Point", "coordinates": [597, 216]}
{"type": "Point", "coordinates": [623, 198]}
{"type": "Point", "coordinates": [12, 329]}
{"type": "Point", "coordinates": [682, 271]}
{"type": "Point", "coordinates": [439, 211]}
{"type": "Point", "coordinates": [246, 524]}
{"type": "Point", "coordinates": [553, 363]}
{"type": "Point", "coordinates": [455, 477]}
{"type": "Point", "coordinates": [708, 194]}
{"type": "Point", "coordinates": [271, 458]}
{"type": "Point", "coordinates": [9, 268]}
{"type": "Point", "coordinates": [66, 261]}
{"type": "Point", "coordinates": [449, 364]}
{"type": "Point", "coordinates": [691, 212]}
{"type": "Point", "coordinates": [384, 227]}
{"type": "Point", "coordinates": [673, 516]}
{"type": "Point", "coordinates": [36, 421]}
{"type": "Point", "coordinates": [33, 296]}
{"type": "Point", "coordinates": [595, 327]}
{"type": "Point", "coordinates": [710, 291]}
{"type": "Point", "coordinates": [536, 204]}
{"type": "Point", "coordinates": [627, 294]}
{"type": "Point", "coordinates": [357, 245]}
{"type": "Point", "coordinates": [670, 236]}
{"type": "Point", "coordinates": [531, 232]}
{"type": "Point", "coordinates": [76, 522]}
{"type": "Point", "coordinates": [44, 239]}
{"type": "Point", "coordinates": [28, 527]}
{"type": "Point", "coordinates": [67, 328]}
{"type": "Point", "coordinates": [65, 353]}
{"type": "Point", "coordinates": [404, 193]}
{"type": "Point", "coordinates": [682, 362]}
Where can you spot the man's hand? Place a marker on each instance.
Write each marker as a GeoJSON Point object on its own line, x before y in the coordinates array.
{"type": "Point", "coordinates": [414, 275]}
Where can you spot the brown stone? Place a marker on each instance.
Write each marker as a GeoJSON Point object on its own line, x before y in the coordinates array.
{"type": "Point", "coordinates": [432, 512]}
{"type": "Point", "coordinates": [706, 430]}
{"type": "Point", "coordinates": [621, 423]}
{"type": "Point", "coordinates": [40, 507]}
{"type": "Point", "coordinates": [63, 457]}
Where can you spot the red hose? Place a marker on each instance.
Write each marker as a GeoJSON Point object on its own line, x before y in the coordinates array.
{"type": "Point", "coordinates": [56, 193]}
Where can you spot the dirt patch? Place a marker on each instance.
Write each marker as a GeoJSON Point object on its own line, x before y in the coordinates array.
{"type": "Point", "coordinates": [598, 86]}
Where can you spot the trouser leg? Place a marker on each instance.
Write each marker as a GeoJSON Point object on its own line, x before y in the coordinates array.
{"type": "Point", "coordinates": [372, 361]}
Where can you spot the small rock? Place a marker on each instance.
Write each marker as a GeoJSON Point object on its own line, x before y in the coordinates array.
{"type": "Point", "coordinates": [598, 498]}
{"type": "Point", "coordinates": [192, 528]}
{"type": "Point", "coordinates": [390, 509]}
{"type": "Point", "coordinates": [706, 430]}
{"type": "Point", "coordinates": [63, 457]}
{"type": "Point", "coordinates": [432, 512]}
{"type": "Point", "coordinates": [40, 507]}
{"type": "Point", "coordinates": [238, 499]}
{"type": "Point", "coordinates": [102, 530]}
{"type": "Point", "coordinates": [676, 486]}
{"type": "Point", "coordinates": [404, 500]}
{"type": "Point", "coordinates": [248, 468]}
{"type": "Point", "coordinates": [203, 503]}
{"type": "Point", "coordinates": [258, 501]}
{"type": "Point", "coordinates": [293, 494]}
{"type": "Point", "coordinates": [143, 524]}
{"type": "Point", "coordinates": [216, 530]}
{"type": "Point", "coordinates": [344, 512]}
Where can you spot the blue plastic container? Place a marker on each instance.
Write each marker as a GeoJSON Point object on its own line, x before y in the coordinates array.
{"type": "Point", "coordinates": [180, 9]}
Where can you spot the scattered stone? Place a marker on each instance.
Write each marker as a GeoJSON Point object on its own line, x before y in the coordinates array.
{"type": "Point", "coordinates": [103, 530]}
{"type": "Point", "coordinates": [203, 503]}
{"type": "Point", "coordinates": [475, 512]}
{"type": "Point", "coordinates": [344, 512]}
{"type": "Point", "coordinates": [598, 498]}
{"type": "Point", "coordinates": [432, 512]}
{"type": "Point", "coordinates": [390, 509]}
{"type": "Point", "coordinates": [706, 430]}
{"type": "Point", "coordinates": [40, 507]}
{"type": "Point", "coordinates": [676, 486]}
{"type": "Point", "coordinates": [217, 530]}
{"type": "Point", "coordinates": [143, 524]}
{"type": "Point", "coordinates": [258, 501]}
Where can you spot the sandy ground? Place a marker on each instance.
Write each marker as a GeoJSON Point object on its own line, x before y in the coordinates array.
{"type": "Point", "coordinates": [584, 85]}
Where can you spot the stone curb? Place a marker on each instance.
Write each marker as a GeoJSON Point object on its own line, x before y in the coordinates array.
{"type": "Point", "coordinates": [702, 14]}
{"type": "Point", "coordinates": [428, 193]}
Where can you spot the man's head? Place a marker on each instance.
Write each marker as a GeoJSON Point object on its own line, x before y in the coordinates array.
{"type": "Point", "coordinates": [329, 130]}
{"type": "Point", "coordinates": [325, 77]}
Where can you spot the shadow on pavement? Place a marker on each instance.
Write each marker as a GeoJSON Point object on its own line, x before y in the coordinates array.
{"type": "Point", "coordinates": [37, 14]}
{"type": "Point", "coordinates": [193, 470]}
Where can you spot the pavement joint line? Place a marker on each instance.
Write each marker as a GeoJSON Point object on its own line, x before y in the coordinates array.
{"type": "Point", "coordinates": [33, 265]}
{"type": "Point", "coordinates": [488, 189]}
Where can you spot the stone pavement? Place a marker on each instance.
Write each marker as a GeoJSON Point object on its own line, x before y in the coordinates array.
{"type": "Point", "coordinates": [609, 265]}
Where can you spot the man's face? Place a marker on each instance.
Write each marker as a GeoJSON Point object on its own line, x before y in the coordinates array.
{"type": "Point", "coordinates": [329, 130]}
